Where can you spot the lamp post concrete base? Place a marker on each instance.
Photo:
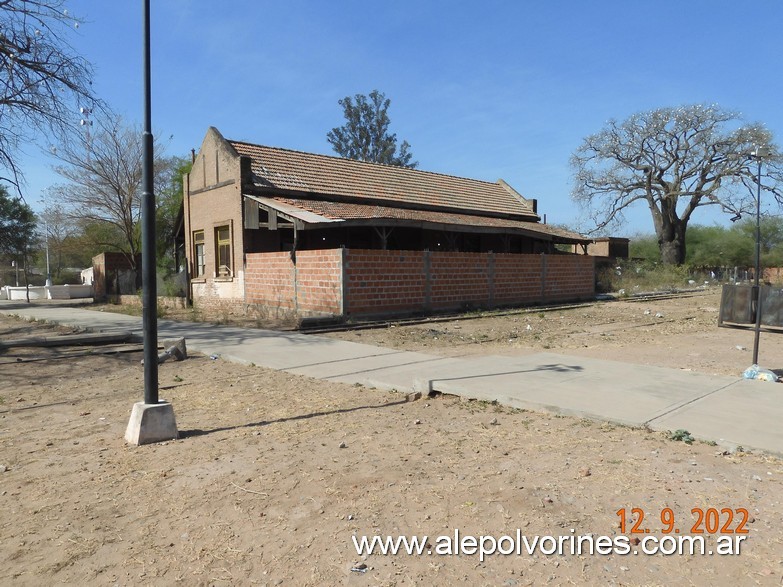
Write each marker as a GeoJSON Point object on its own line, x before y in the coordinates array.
{"type": "Point", "coordinates": [151, 423]}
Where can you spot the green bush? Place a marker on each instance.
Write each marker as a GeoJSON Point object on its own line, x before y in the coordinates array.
{"type": "Point", "coordinates": [637, 276]}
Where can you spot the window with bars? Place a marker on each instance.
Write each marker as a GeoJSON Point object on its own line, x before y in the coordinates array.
{"type": "Point", "coordinates": [200, 267]}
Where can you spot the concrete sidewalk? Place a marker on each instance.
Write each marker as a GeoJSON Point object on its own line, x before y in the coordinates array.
{"type": "Point", "coordinates": [728, 410]}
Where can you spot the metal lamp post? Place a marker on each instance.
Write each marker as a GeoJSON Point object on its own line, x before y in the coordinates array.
{"type": "Point", "coordinates": [151, 420]}
{"type": "Point", "coordinates": [149, 286]}
{"type": "Point", "coordinates": [758, 155]}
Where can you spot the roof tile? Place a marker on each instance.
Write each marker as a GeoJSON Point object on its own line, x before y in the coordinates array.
{"type": "Point", "coordinates": [321, 175]}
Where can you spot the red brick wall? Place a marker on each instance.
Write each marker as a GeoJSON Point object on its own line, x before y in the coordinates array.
{"type": "Point", "coordinates": [459, 280]}
{"type": "Point", "coordinates": [387, 282]}
{"type": "Point", "coordinates": [105, 267]}
{"type": "Point", "coordinates": [381, 282]}
{"type": "Point", "coordinates": [311, 286]}
{"type": "Point", "coordinates": [397, 282]}
{"type": "Point", "coordinates": [565, 275]}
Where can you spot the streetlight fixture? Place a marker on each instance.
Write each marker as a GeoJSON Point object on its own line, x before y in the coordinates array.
{"type": "Point", "coordinates": [759, 154]}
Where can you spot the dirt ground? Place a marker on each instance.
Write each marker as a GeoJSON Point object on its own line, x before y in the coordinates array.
{"type": "Point", "coordinates": [274, 473]}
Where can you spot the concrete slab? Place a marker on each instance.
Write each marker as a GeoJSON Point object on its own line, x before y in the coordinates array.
{"type": "Point", "coordinates": [621, 392]}
{"type": "Point", "coordinates": [745, 413]}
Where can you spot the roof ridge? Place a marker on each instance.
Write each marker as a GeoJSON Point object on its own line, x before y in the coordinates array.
{"type": "Point", "coordinates": [357, 161]}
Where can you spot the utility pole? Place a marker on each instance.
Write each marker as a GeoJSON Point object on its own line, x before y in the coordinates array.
{"type": "Point", "coordinates": [151, 420]}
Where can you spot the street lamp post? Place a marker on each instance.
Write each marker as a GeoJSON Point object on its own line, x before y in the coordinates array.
{"type": "Point", "coordinates": [151, 420]}
{"type": "Point", "coordinates": [46, 242]}
{"type": "Point", "coordinates": [758, 155]}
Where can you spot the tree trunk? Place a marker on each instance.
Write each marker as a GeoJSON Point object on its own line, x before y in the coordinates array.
{"type": "Point", "coordinates": [671, 241]}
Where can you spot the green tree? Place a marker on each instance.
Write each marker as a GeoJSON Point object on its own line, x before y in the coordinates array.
{"type": "Point", "coordinates": [365, 135]}
{"type": "Point", "coordinates": [169, 204]}
{"type": "Point", "coordinates": [645, 247]}
{"type": "Point", "coordinates": [17, 225]}
{"type": "Point", "coordinates": [675, 160]}
{"type": "Point", "coordinates": [17, 229]}
{"type": "Point", "coordinates": [771, 230]}
{"type": "Point", "coordinates": [718, 246]}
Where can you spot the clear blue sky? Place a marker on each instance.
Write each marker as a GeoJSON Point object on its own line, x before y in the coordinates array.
{"type": "Point", "coordinates": [485, 89]}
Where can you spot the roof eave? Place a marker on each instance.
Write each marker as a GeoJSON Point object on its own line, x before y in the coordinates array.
{"type": "Point", "coordinates": [271, 192]}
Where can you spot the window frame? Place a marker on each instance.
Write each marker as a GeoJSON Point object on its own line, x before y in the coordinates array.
{"type": "Point", "coordinates": [199, 260]}
{"type": "Point", "coordinates": [228, 273]}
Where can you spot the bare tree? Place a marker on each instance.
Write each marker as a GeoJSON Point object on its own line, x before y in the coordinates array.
{"type": "Point", "coordinates": [56, 228]}
{"type": "Point", "coordinates": [41, 78]}
{"type": "Point", "coordinates": [675, 160]}
{"type": "Point", "coordinates": [103, 170]}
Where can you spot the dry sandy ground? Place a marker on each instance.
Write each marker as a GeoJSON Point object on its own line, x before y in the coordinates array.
{"type": "Point", "coordinates": [275, 473]}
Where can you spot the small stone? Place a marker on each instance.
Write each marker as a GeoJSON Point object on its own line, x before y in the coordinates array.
{"type": "Point", "coordinates": [585, 472]}
{"type": "Point", "coordinates": [756, 478]}
{"type": "Point", "coordinates": [417, 422]}
{"type": "Point", "coordinates": [3, 468]}
{"type": "Point", "coordinates": [494, 422]}
{"type": "Point", "coordinates": [342, 445]}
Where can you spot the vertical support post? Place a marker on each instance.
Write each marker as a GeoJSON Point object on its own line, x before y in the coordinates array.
{"type": "Point", "coordinates": [343, 282]}
{"type": "Point", "coordinates": [756, 283]}
{"type": "Point", "coordinates": [491, 277]}
{"type": "Point", "coordinates": [427, 280]}
{"type": "Point", "coordinates": [149, 295]}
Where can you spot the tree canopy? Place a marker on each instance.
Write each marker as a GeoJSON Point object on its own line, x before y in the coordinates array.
{"type": "Point", "coordinates": [103, 170]}
{"type": "Point", "coordinates": [365, 135]}
{"type": "Point", "coordinates": [42, 80]}
{"type": "Point", "coordinates": [711, 247]}
{"type": "Point", "coordinates": [675, 160]}
{"type": "Point", "coordinates": [17, 224]}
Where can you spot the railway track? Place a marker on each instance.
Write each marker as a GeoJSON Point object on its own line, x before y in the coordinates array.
{"type": "Point", "coordinates": [316, 328]}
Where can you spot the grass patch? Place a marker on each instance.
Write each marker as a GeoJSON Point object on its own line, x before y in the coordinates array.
{"type": "Point", "coordinates": [629, 277]}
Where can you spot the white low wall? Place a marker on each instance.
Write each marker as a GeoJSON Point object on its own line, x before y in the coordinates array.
{"type": "Point", "coordinates": [48, 292]}
{"type": "Point", "coordinates": [20, 293]}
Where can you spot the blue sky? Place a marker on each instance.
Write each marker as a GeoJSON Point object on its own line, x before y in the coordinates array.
{"type": "Point", "coordinates": [485, 89]}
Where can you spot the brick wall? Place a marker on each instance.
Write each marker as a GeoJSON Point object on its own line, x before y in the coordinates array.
{"type": "Point", "coordinates": [312, 286]}
{"type": "Point", "coordinates": [388, 282]}
{"type": "Point", "coordinates": [381, 282]}
{"type": "Point", "coordinates": [375, 282]}
{"type": "Point", "coordinates": [112, 271]}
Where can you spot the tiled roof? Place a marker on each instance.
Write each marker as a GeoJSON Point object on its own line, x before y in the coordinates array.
{"type": "Point", "coordinates": [320, 175]}
{"type": "Point", "coordinates": [347, 212]}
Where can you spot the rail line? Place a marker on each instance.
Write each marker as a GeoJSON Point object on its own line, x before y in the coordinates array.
{"type": "Point", "coordinates": [475, 315]}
